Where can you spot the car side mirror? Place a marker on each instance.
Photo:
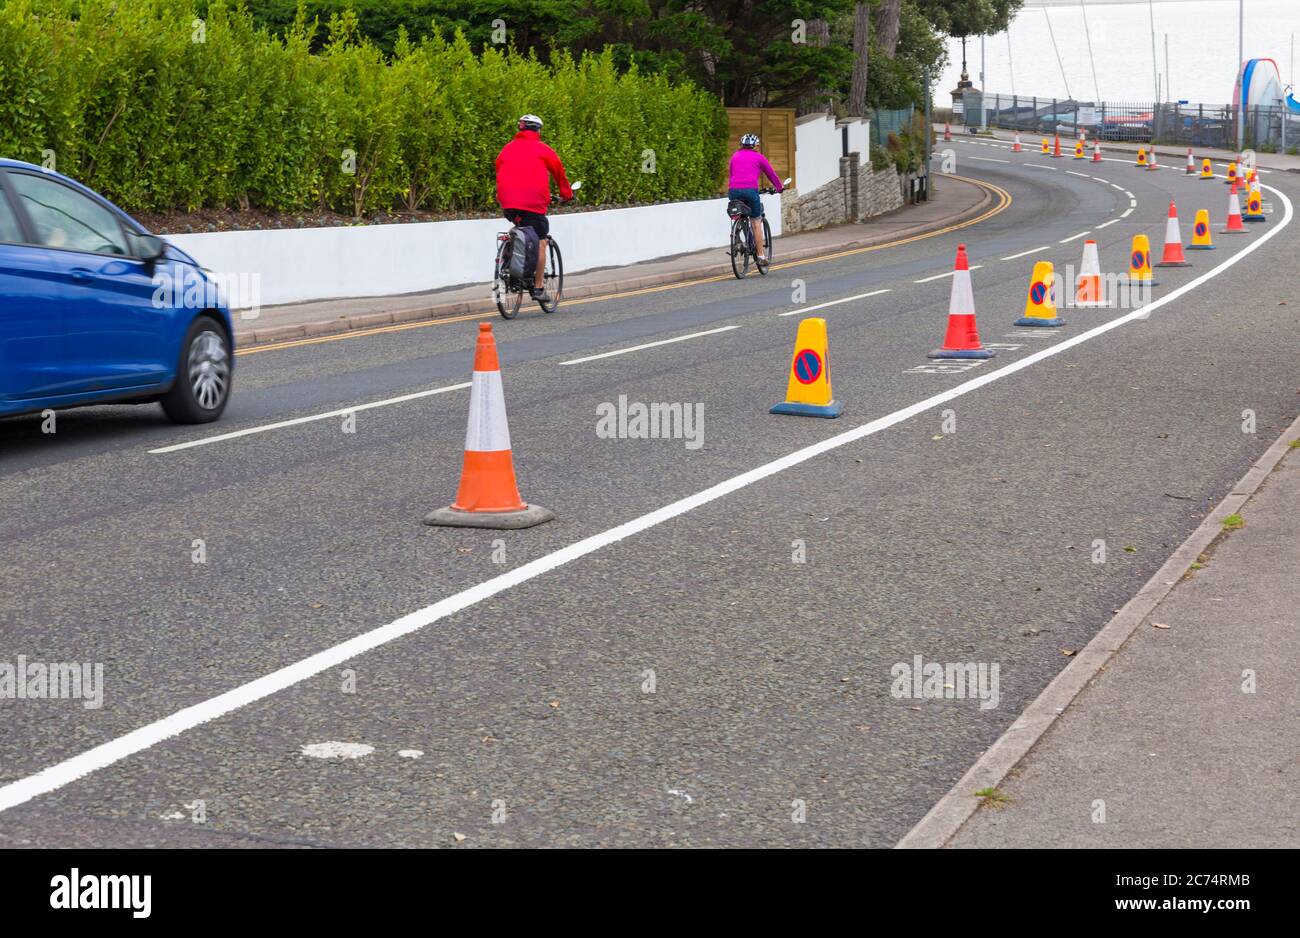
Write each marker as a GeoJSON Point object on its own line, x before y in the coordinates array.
{"type": "Point", "coordinates": [147, 247]}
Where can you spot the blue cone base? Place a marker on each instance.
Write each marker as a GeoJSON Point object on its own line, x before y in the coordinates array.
{"type": "Point", "coordinates": [833, 409]}
{"type": "Point", "coordinates": [1200, 247]}
{"type": "Point", "coordinates": [1250, 218]}
{"type": "Point", "coordinates": [961, 353]}
{"type": "Point", "coordinates": [1173, 264]}
{"type": "Point", "coordinates": [1032, 321]}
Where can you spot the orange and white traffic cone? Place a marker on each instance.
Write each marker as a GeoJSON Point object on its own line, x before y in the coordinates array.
{"type": "Point", "coordinates": [1056, 151]}
{"type": "Point", "coordinates": [1191, 163]}
{"type": "Point", "coordinates": [1088, 290]}
{"type": "Point", "coordinates": [488, 496]}
{"type": "Point", "coordinates": [1096, 151]}
{"type": "Point", "coordinates": [1207, 169]}
{"type": "Point", "coordinates": [962, 339]}
{"type": "Point", "coordinates": [1016, 146]}
{"type": "Point", "coordinates": [1201, 239]}
{"type": "Point", "coordinates": [1234, 214]}
{"type": "Point", "coordinates": [1151, 158]}
{"type": "Point", "coordinates": [1172, 256]}
{"type": "Point", "coordinates": [947, 132]}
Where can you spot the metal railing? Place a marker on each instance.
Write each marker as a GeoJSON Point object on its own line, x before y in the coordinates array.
{"type": "Point", "coordinates": [1168, 123]}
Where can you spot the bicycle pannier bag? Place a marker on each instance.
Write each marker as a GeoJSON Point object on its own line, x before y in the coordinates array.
{"type": "Point", "coordinates": [523, 253]}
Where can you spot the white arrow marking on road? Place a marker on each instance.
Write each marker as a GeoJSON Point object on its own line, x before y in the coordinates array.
{"type": "Point", "coordinates": [150, 735]}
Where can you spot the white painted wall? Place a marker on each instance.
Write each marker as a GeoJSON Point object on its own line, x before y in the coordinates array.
{"type": "Point", "coordinates": [295, 265]}
{"type": "Point", "coordinates": [818, 149]}
{"type": "Point", "coordinates": [819, 144]}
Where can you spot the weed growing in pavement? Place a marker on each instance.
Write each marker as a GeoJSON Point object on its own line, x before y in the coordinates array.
{"type": "Point", "coordinates": [992, 798]}
{"type": "Point", "coordinates": [1233, 522]}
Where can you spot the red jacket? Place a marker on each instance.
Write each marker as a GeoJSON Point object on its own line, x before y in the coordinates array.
{"type": "Point", "coordinates": [524, 167]}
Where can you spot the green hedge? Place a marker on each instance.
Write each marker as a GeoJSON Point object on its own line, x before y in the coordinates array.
{"type": "Point", "coordinates": [134, 105]}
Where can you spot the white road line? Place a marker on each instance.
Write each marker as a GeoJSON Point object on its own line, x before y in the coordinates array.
{"type": "Point", "coordinates": [1126, 213]}
{"type": "Point", "coordinates": [1115, 185]}
{"type": "Point", "coordinates": [948, 274]}
{"type": "Point", "coordinates": [1076, 237]}
{"type": "Point", "coordinates": [1080, 175]}
{"type": "Point", "coordinates": [637, 348]}
{"type": "Point", "coordinates": [989, 159]}
{"type": "Point", "coordinates": [1040, 166]}
{"type": "Point", "coordinates": [341, 412]}
{"type": "Point", "coordinates": [146, 737]}
{"type": "Point", "coordinates": [1130, 194]}
{"type": "Point", "coordinates": [1106, 181]}
{"type": "Point", "coordinates": [1105, 223]}
{"type": "Point", "coordinates": [1132, 203]}
{"type": "Point", "coordinates": [847, 299]}
{"type": "Point", "coordinates": [1012, 257]}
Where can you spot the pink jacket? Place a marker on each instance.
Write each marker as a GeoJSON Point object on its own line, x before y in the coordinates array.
{"type": "Point", "coordinates": [746, 165]}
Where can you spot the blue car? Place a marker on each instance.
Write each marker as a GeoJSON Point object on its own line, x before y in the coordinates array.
{"type": "Point", "coordinates": [94, 309]}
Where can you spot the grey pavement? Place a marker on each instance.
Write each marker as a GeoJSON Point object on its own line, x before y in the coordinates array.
{"type": "Point", "coordinates": [1190, 737]}
{"type": "Point", "coordinates": [952, 201]}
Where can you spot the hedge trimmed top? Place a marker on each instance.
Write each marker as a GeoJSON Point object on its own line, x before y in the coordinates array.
{"type": "Point", "coordinates": [161, 110]}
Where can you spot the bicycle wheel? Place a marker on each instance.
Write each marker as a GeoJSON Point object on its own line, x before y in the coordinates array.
{"type": "Point", "coordinates": [507, 300]}
{"type": "Point", "coordinates": [739, 248]}
{"type": "Point", "coordinates": [554, 276]}
{"type": "Point", "coordinates": [764, 262]}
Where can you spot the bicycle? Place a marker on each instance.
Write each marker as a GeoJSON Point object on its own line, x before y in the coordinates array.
{"type": "Point", "coordinates": [743, 248]}
{"type": "Point", "coordinates": [508, 292]}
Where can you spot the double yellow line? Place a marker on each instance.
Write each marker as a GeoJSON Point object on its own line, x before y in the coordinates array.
{"type": "Point", "coordinates": [1004, 200]}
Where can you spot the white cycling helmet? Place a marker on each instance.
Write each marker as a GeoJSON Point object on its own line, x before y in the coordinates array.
{"type": "Point", "coordinates": [749, 141]}
{"type": "Point", "coordinates": [530, 122]}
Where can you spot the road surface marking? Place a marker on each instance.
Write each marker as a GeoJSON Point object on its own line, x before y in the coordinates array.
{"type": "Point", "coordinates": [279, 425]}
{"type": "Point", "coordinates": [637, 348]}
{"type": "Point", "coordinates": [1106, 181]}
{"type": "Point", "coordinates": [847, 299]}
{"type": "Point", "coordinates": [1105, 223]}
{"type": "Point", "coordinates": [146, 737]}
{"type": "Point", "coordinates": [1012, 257]}
{"type": "Point", "coordinates": [989, 159]}
{"type": "Point", "coordinates": [1132, 203]}
{"type": "Point", "coordinates": [1076, 237]}
{"type": "Point", "coordinates": [947, 274]}
{"type": "Point", "coordinates": [1115, 185]}
{"type": "Point", "coordinates": [1080, 175]}
{"type": "Point", "coordinates": [1126, 213]}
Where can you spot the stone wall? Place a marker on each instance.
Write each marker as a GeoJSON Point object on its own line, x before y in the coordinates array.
{"type": "Point", "coordinates": [858, 194]}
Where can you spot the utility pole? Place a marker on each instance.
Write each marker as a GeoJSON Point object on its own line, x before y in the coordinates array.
{"type": "Point", "coordinates": [1155, 69]}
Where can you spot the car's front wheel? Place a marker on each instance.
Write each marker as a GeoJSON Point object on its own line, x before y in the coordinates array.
{"type": "Point", "coordinates": [202, 386]}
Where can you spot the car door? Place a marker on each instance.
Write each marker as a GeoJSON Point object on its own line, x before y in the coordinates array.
{"type": "Point", "coordinates": [31, 313]}
{"type": "Point", "coordinates": [114, 331]}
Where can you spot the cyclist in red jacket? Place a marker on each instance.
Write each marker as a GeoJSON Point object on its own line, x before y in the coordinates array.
{"type": "Point", "coordinates": [525, 166]}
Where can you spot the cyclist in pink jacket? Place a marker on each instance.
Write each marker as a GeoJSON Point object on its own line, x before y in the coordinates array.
{"type": "Point", "coordinates": [747, 168]}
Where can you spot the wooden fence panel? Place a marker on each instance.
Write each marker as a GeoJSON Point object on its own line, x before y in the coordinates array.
{"type": "Point", "coordinates": [775, 128]}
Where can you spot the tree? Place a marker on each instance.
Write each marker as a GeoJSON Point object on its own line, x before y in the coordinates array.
{"type": "Point", "coordinates": [857, 103]}
{"type": "Point", "coordinates": [888, 15]}
{"type": "Point", "coordinates": [962, 18]}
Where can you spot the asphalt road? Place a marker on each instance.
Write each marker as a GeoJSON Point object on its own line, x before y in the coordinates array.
{"type": "Point", "coordinates": [529, 706]}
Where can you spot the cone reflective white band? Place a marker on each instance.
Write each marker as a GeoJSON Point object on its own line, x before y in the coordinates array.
{"type": "Point", "coordinates": [1172, 235]}
{"type": "Point", "coordinates": [487, 430]}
